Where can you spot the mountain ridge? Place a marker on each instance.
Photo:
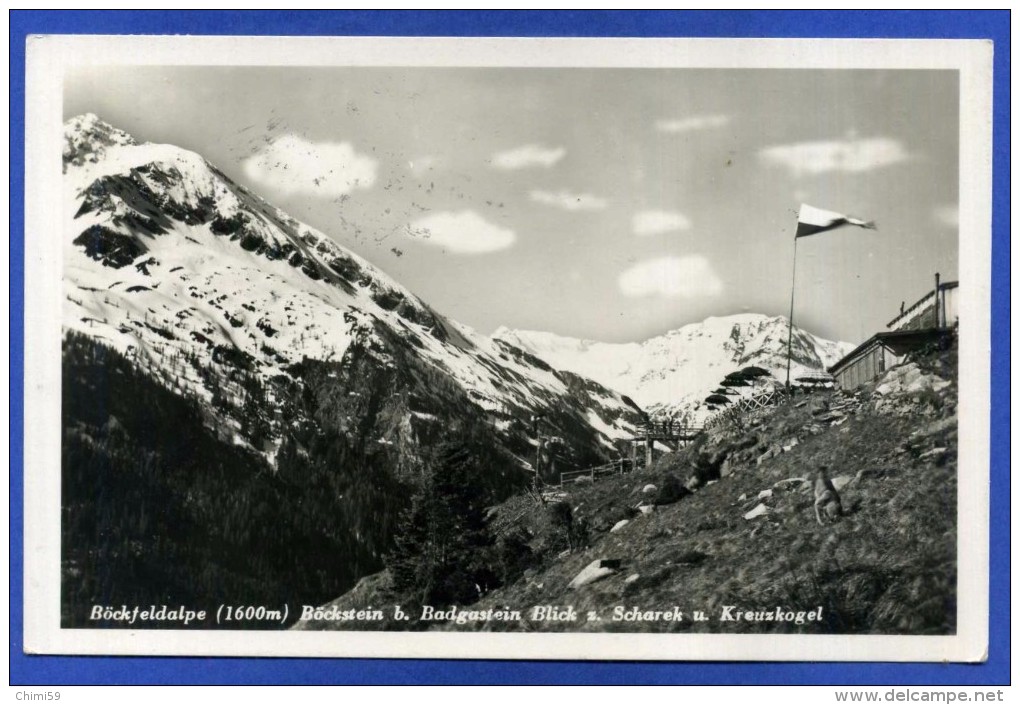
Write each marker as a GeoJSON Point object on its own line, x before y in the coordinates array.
{"type": "Point", "coordinates": [255, 400]}
{"type": "Point", "coordinates": [671, 373]}
{"type": "Point", "coordinates": [168, 260]}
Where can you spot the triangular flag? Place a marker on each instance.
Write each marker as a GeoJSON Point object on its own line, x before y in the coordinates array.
{"type": "Point", "coordinates": [811, 221]}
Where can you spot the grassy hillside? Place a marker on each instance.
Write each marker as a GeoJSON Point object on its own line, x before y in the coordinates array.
{"type": "Point", "coordinates": [887, 566]}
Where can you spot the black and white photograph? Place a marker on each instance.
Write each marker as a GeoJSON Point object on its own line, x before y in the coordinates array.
{"type": "Point", "coordinates": [657, 354]}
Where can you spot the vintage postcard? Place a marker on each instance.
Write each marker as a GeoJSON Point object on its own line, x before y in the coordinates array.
{"type": "Point", "coordinates": [642, 349]}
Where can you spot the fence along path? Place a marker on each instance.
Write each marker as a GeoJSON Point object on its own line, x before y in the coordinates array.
{"type": "Point", "coordinates": [677, 434]}
{"type": "Point", "coordinates": [761, 400]}
{"type": "Point", "coordinates": [663, 431]}
{"type": "Point", "coordinates": [616, 467]}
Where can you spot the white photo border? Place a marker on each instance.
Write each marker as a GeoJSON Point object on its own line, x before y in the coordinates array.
{"type": "Point", "coordinates": [48, 56]}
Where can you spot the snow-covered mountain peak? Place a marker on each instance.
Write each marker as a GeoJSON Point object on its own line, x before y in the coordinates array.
{"type": "Point", "coordinates": [86, 139]}
{"type": "Point", "coordinates": [171, 262]}
{"type": "Point", "coordinates": [677, 369]}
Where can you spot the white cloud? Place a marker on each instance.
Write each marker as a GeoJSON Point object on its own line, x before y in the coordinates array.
{"type": "Point", "coordinates": [528, 155]}
{"type": "Point", "coordinates": [291, 164]}
{"type": "Point", "coordinates": [671, 277]}
{"type": "Point", "coordinates": [948, 216]}
{"type": "Point", "coordinates": [464, 232]}
{"type": "Point", "coordinates": [695, 122]}
{"type": "Point", "coordinates": [569, 201]}
{"type": "Point", "coordinates": [653, 222]}
{"type": "Point", "coordinates": [850, 155]}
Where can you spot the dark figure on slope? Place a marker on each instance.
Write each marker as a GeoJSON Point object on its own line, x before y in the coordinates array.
{"type": "Point", "coordinates": [827, 501]}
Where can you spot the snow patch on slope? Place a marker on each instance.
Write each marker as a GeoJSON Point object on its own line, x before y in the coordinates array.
{"type": "Point", "coordinates": [171, 262]}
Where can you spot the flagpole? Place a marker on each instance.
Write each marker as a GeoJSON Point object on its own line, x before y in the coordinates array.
{"type": "Point", "coordinates": [789, 337]}
{"type": "Point", "coordinates": [811, 221]}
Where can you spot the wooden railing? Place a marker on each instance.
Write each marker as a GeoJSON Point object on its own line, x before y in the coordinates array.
{"type": "Point", "coordinates": [668, 432]}
{"type": "Point", "coordinates": [761, 400]}
{"type": "Point", "coordinates": [592, 474]}
{"type": "Point", "coordinates": [771, 397]}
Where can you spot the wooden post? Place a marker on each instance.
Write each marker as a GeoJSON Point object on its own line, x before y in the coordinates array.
{"type": "Point", "coordinates": [937, 300]}
{"type": "Point", "coordinates": [649, 452]}
{"type": "Point", "coordinates": [538, 453]}
{"type": "Point", "coordinates": [789, 335]}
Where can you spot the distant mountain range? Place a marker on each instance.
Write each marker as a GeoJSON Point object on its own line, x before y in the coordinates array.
{"type": "Point", "coordinates": [673, 373]}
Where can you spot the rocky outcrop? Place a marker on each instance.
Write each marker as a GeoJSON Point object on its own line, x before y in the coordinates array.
{"type": "Point", "coordinates": [595, 571]}
{"type": "Point", "coordinates": [909, 379]}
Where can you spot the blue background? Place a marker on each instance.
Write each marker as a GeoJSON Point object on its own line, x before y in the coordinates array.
{"type": "Point", "coordinates": [994, 25]}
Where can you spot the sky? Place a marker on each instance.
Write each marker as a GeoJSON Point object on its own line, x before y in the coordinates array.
{"type": "Point", "coordinates": [608, 204]}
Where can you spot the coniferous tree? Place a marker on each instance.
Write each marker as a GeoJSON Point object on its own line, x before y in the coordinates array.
{"type": "Point", "coordinates": [443, 552]}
